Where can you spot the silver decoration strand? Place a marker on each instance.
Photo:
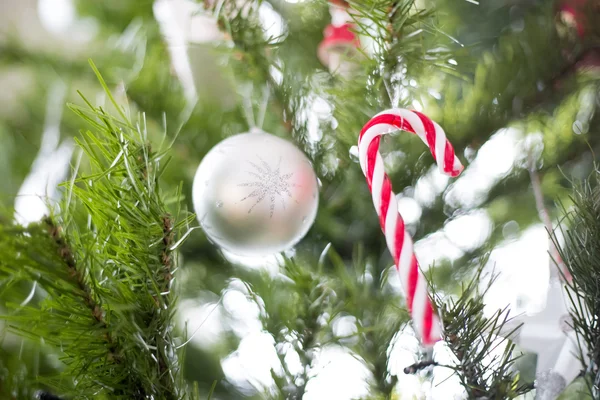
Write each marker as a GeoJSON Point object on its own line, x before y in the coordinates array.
{"type": "Point", "coordinates": [549, 385]}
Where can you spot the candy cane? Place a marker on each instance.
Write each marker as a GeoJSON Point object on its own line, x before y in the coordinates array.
{"type": "Point", "coordinates": [399, 242]}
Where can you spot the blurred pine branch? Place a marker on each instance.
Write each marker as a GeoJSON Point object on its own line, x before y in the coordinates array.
{"type": "Point", "coordinates": [104, 266]}
{"type": "Point", "coordinates": [484, 360]}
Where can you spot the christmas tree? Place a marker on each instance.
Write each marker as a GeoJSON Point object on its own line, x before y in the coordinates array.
{"type": "Point", "coordinates": [212, 200]}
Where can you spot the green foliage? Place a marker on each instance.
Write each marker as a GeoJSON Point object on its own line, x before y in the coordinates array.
{"type": "Point", "coordinates": [105, 266]}
{"type": "Point", "coordinates": [485, 370]}
{"type": "Point", "coordinates": [580, 252]}
{"type": "Point", "coordinates": [301, 307]}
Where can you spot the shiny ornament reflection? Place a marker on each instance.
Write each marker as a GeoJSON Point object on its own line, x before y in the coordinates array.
{"type": "Point", "coordinates": [255, 194]}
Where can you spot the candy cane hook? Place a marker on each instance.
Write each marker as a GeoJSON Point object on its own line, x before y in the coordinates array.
{"type": "Point", "coordinates": [399, 242]}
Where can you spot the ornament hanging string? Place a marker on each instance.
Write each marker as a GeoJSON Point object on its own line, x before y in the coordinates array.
{"type": "Point", "coordinates": [400, 244]}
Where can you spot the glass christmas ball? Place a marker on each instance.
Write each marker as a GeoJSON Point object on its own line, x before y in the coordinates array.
{"type": "Point", "coordinates": [255, 194]}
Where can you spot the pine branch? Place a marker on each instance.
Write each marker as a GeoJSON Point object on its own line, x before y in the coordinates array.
{"type": "Point", "coordinates": [362, 284]}
{"type": "Point", "coordinates": [581, 255]}
{"type": "Point", "coordinates": [165, 257]}
{"type": "Point", "coordinates": [106, 263]}
{"type": "Point", "coordinates": [295, 320]}
{"type": "Point", "coordinates": [67, 255]}
{"type": "Point", "coordinates": [474, 339]}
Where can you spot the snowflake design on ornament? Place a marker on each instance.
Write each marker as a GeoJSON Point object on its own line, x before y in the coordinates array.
{"type": "Point", "coordinates": [270, 184]}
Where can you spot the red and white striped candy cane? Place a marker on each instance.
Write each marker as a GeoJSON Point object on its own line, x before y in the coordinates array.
{"type": "Point", "coordinates": [399, 242]}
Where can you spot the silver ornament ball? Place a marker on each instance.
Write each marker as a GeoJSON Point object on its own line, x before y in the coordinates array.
{"type": "Point", "coordinates": [255, 194]}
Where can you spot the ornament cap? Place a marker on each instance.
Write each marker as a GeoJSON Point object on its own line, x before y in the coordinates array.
{"type": "Point", "coordinates": [255, 130]}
